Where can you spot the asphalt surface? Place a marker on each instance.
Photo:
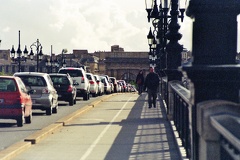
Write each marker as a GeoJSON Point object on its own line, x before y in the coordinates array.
{"type": "Point", "coordinates": [11, 134]}
{"type": "Point", "coordinates": [116, 127]}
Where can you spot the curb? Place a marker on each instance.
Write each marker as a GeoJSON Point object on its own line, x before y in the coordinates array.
{"type": "Point", "coordinates": [14, 150]}
{"type": "Point", "coordinates": [17, 148]}
{"type": "Point", "coordinates": [39, 135]}
{"type": "Point", "coordinates": [66, 120]}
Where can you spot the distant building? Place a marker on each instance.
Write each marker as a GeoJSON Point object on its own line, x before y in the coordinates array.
{"type": "Point", "coordinates": [117, 62]}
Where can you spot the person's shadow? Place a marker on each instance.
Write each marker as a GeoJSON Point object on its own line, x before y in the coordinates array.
{"type": "Point", "coordinates": [145, 134]}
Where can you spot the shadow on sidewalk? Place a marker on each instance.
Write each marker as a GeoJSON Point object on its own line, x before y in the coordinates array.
{"type": "Point", "coordinates": [145, 134]}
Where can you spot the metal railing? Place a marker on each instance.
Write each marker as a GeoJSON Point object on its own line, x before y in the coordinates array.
{"type": "Point", "coordinates": [177, 98]}
{"type": "Point", "coordinates": [180, 112]}
{"type": "Point", "coordinates": [227, 127]}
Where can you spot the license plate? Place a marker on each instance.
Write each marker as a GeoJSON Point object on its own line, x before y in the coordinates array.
{"type": "Point", "coordinates": [1, 100]}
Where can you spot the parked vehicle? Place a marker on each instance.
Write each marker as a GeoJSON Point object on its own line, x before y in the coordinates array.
{"type": "Point", "coordinates": [93, 84]}
{"type": "Point", "coordinates": [131, 88]}
{"type": "Point", "coordinates": [79, 76]}
{"type": "Point", "coordinates": [107, 86]}
{"type": "Point", "coordinates": [115, 85]}
{"type": "Point", "coordinates": [15, 100]}
{"type": "Point", "coordinates": [45, 97]}
{"type": "Point", "coordinates": [65, 87]}
{"type": "Point", "coordinates": [110, 83]}
{"type": "Point", "coordinates": [124, 85]}
{"type": "Point", "coordinates": [100, 85]}
{"type": "Point", "coordinates": [120, 86]}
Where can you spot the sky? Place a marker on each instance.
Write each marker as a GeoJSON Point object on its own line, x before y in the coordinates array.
{"type": "Point", "coordinates": [93, 25]}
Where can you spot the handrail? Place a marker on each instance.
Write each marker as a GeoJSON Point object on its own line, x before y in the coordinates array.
{"type": "Point", "coordinates": [180, 104]}
{"type": "Point", "coordinates": [228, 127]}
{"type": "Point", "coordinates": [181, 91]}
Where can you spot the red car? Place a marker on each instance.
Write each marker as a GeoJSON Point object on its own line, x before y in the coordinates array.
{"type": "Point", "coordinates": [15, 100]}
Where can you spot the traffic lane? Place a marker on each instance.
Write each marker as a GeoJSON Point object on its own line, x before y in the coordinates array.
{"type": "Point", "coordinates": [11, 134]}
{"type": "Point", "coordinates": [91, 134]}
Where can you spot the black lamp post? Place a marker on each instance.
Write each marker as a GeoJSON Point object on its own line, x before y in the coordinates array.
{"type": "Point", "coordinates": [19, 57]}
{"type": "Point", "coordinates": [64, 64]}
{"type": "Point", "coordinates": [159, 17]}
{"type": "Point", "coordinates": [39, 53]}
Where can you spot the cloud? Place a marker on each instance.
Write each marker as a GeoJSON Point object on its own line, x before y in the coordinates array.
{"type": "Point", "coordinates": [93, 24]}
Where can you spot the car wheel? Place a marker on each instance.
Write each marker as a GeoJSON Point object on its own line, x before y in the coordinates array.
{"type": "Point", "coordinates": [49, 111]}
{"type": "Point", "coordinates": [75, 100]}
{"type": "Point", "coordinates": [28, 119]}
{"type": "Point", "coordinates": [55, 109]}
{"type": "Point", "coordinates": [85, 96]}
{"type": "Point", "coordinates": [71, 102]}
{"type": "Point", "coordinates": [20, 121]}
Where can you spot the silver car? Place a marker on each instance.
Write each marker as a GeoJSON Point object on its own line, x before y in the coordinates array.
{"type": "Point", "coordinates": [107, 86]}
{"type": "Point", "coordinates": [45, 96]}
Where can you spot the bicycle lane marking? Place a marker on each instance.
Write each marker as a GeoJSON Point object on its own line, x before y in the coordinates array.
{"type": "Point", "coordinates": [90, 149]}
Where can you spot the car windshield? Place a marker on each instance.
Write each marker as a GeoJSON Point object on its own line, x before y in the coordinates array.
{"type": "Point", "coordinates": [33, 80]}
{"type": "Point", "coordinates": [62, 80]}
{"type": "Point", "coordinates": [72, 73]}
{"type": "Point", "coordinates": [7, 85]}
{"type": "Point", "coordinates": [89, 77]}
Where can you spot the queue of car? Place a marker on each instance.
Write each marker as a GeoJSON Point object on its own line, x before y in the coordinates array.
{"type": "Point", "coordinates": [25, 91]}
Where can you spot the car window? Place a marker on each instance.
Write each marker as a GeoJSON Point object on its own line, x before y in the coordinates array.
{"type": "Point", "coordinates": [72, 73]}
{"type": "Point", "coordinates": [33, 80]}
{"type": "Point", "coordinates": [89, 77]}
{"type": "Point", "coordinates": [60, 80]}
{"type": "Point", "coordinates": [7, 85]}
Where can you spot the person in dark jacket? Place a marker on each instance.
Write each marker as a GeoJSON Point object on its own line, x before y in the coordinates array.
{"type": "Point", "coordinates": [151, 84]}
{"type": "Point", "coordinates": [140, 82]}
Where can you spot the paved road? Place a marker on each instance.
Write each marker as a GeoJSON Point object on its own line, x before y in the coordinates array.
{"type": "Point", "coordinates": [11, 134]}
{"type": "Point", "coordinates": [120, 128]}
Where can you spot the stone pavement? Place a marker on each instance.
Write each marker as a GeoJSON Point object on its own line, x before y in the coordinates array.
{"type": "Point", "coordinates": [121, 127]}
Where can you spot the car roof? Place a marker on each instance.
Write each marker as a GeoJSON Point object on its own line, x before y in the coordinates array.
{"type": "Point", "coordinates": [58, 74]}
{"type": "Point", "coordinates": [71, 68]}
{"type": "Point", "coordinates": [30, 73]}
{"type": "Point", "coordinates": [7, 77]}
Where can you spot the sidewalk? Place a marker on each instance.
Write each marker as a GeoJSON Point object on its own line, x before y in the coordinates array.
{"type": "Point", "coordinates": [119, 128]}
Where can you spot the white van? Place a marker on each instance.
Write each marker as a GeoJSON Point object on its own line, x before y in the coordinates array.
{"type": "Point", "coordinates": [79, 76]}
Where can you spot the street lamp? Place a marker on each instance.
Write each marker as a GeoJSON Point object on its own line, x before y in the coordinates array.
{"type": "Point", "coordinates": [64, 64]}
{"type": "Point", "coordinates": [39, 53]}
{"type": "Point", "coordinates": [158, 16]}
{"type": "Point", "coordinates": [19, 56]}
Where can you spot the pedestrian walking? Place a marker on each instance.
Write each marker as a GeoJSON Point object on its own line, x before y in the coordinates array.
{"type": "Point", "coordinates": [140, 82]}
{"type": "Point", "coordinates": [151, 84]}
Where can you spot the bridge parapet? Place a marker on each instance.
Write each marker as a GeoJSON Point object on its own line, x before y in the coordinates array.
{"type": "Point", "coordinates": [218, 129]}
{"type": "Point", "coordinates": [218, 123]}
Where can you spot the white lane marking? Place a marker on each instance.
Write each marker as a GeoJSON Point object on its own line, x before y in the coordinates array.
{"type": "Point", "coordinates": [88, 152]}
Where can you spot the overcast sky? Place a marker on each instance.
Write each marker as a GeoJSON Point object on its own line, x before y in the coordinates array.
{"type": "Point", "coordinates": [94, 25]}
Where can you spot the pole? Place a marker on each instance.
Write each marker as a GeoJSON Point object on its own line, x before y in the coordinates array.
{"type": "Point", "coordinates": [37, 54]}
{"type": "Point", "coordinates": [51, 59]}
{"type": "Point", "coordinates": [19, 53]}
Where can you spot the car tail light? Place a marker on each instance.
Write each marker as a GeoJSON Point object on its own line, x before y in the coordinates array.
{"type": "Point", "coordinates": [98, 82]}
{"type": "Point", "coordinates": [45, 90]}
{"type": "Point", "coordinates": [91, 82]}
{"type": "Point", "coordinates": [82, 79]}
{"type": "Point", "coordinates": [70, 89]}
